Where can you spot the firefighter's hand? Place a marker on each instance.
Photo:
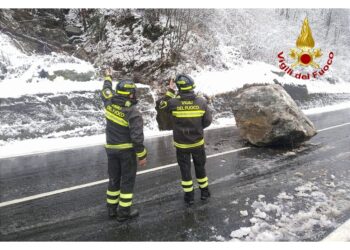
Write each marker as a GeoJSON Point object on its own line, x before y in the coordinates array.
{"type": "Point", "coordinates": [108, 72]}
{"type": "Point", "coordinates": [143, 162]}
{"type": "Point", "coordinates": [172, 84]}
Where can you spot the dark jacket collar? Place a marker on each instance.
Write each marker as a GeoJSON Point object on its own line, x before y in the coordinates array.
{"type": "Point", "coordinates": [189, 95]}
{"type": "Point", "coordinates": [123, 101]}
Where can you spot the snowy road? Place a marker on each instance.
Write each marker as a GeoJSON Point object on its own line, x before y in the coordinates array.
{"type": "Point", "coordinates": [257, 193]}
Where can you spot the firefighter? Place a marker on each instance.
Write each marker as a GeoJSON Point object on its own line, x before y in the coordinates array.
{"type": "Point", "coordinates": [124, 135]}
{"type": "Point", "coordinates": [190, 115]}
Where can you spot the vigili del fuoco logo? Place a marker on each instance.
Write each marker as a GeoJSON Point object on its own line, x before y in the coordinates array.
{"type": "Point", "coordinates": [305, 56]}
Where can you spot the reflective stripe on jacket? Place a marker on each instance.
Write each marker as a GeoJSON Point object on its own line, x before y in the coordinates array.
{"type": "Point", "coordinates": [190, 115]}
{"type": "Point", "coordinates": [124, 128]}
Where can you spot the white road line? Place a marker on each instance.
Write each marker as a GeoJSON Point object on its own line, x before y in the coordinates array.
{"type": "Point", "coordinates": [64, 190]}
{"type": "Point", "coordinates": [38, 196]}
{"type": "Point", "coordinates": [337, 126]}
{"type": "Point", "coordinates": [342, 233]}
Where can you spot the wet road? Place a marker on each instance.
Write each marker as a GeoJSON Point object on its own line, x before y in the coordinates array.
{"type": "Point", "coordinates": [261, 189]}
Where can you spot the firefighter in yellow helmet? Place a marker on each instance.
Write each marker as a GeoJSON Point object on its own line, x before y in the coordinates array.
{"type": "Point", "coordinates": [190, 115]}
{"type": "Point", "coordinates": [124, 135]}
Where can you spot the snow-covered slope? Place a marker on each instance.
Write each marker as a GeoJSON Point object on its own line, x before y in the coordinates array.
{"type": "Point", "coordinates": [20, 67]}
{"type": "Point", "coordinates": [216, 82]}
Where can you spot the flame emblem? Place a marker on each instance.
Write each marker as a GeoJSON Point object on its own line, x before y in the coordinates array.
{"type": "Point", "coordinates": [304, 53]}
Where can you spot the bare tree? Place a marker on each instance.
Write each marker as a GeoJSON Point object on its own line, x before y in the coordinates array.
{"type": "Point", "coordinates": [177, 28]}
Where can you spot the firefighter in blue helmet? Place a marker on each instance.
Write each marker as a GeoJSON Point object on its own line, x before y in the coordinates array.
{"type": "Point", "coordinates": [190, 115]}
{"type": "Point", "coordinates": [124, 135]}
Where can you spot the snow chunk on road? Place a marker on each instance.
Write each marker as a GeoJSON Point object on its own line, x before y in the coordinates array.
{"type": "Point", "coordinates": [291, 153]}
{"type": "Point", "coordinates": [285, 196]}
{"type": "Point", "coordinates": [278, 221]}
{"type": "Point", "coordinates": [243, 231]}
{"type": "Point", "coordinates": [219, 237]}
{"type": "Point", "coordinates": [307, 187]}
{"type": "Point", "coordinates": [259, 214]}
{"type": "Point", "coordinates": [261, 196]}
{"type": "Point", "coordinates": [244, 213]}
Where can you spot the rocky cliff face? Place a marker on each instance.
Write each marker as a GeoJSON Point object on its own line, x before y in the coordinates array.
{"type": "Point", "coordinates": [37, 30]}
{"type": "Point", "coordinates": [152, 44]}
{"type": "Point", "coordinates": [133, 42]}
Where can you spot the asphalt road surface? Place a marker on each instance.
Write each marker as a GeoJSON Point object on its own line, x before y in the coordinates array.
{"type": "Point", "coordinates": [281, 194]}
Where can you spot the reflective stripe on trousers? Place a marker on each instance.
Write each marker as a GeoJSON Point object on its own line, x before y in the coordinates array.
{"type": "Point", "coordinates": [112, 197]}
{"type": "Point", "coordinates": [203, 182]}
{"type": "Point", "coordinates": [187, 186]}
{"type": "Point", "coordinates": [125, 200]}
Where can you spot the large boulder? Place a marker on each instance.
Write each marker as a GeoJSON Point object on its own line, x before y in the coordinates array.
{"type": "Point", "coordinates": [266, 115]}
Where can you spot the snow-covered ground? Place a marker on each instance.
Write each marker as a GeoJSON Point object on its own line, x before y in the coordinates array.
{"type": "Point", "coordinates": [23, 70]}
{"type": "Point", "coordinates": [216, 82]}
{"type": "Point", "coordinates": [329, 108]}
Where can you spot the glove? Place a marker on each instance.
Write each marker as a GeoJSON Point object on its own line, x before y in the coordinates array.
{"type": "Point", "coordinates": [172, 84]}
{"type": "Point", "coordinates": [108, 72]}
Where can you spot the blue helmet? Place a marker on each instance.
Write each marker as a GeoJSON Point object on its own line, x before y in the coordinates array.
{"type": "Point", "coordinates": [126, 88]}
{"type": "Point", "coordinates": [184, 82]}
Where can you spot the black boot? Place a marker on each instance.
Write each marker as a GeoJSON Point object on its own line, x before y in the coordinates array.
{"type": "Point", "coordinates": [112, 210]}
{"type": "Point", "coordinates": [205, 194]}
{"type": "Point", "coordinates": [189, 197]}
{"type": "Point", "coordinates": [125, 213]}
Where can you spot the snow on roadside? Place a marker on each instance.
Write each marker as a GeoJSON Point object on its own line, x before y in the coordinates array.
{"type": "Point", "coordinates": [14, 88]}
{"type": "Point", "coordinates": [329, 108]}
{"type": "Point", "coordinates": [216, 82]}
{"type": "Point", "coordinates": [45, 145]}
{"type": "Point", "coordinates": [279, 221]}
